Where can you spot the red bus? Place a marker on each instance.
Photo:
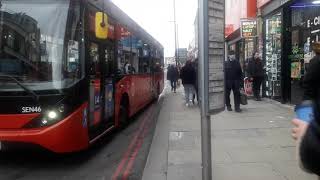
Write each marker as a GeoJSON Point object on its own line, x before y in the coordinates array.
{"type": "Point", "coordinates": [71, 71]}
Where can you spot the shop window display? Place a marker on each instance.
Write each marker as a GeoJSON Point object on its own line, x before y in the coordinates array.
{"type": "Point", "coordinates": [305, 31]}
{"type": "Point", "coordinates": [273, 56]}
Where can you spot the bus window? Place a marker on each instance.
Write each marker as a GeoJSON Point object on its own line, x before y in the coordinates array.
{"type": "Point", "coordinates": [94, 60]}
{"type": "Point", "coordinates": [73, 64]}
{"type": "Point", "coordinates": [126, 55]}
{"type": "Point", "coordinates": [144, 59]}
{"type": "Point", "coordinates": [135, 53]}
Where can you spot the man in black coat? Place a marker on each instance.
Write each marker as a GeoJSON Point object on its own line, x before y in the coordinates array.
{"type": "Point", "coordinates": [196, 86]}
{"type": "Point", "coordinates": [172, 76]}
{"type": "Point", "coordinates": [233, 77]}
{"type": "Point", "coordinates": [188, 77]}
{"type": "Point", "coordinates": [256, 74]}
{"type": "Point", "coordinates": [309, 134]}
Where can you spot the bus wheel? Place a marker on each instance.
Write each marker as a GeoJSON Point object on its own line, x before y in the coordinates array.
{"type": "Point", "coordinates": [158, 92]}
{"type": "Point", "coordinates": [123, 114]}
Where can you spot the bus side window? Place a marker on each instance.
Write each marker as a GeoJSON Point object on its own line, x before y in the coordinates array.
{"type": "Point", "coordinates": [94, 60]}
{"type": "Point", "coordinates": [134, 54]}
{"type": "Point", "coordinates": [126, 61]}
{"type": "Point", "coordinates": [144, 59]}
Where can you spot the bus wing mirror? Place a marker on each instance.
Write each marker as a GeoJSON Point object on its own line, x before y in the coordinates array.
{"type": "Point", "coordinates": [101, 27]}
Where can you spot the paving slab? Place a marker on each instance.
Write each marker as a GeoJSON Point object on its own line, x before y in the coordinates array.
{"type": "Point", "coordinates": [253, 145]}
{"type": "Point", "coordinates": [287, 167]}
{"type": "Point", "coordinates": [184, 172]}
{"type": "Point", "coordinates": [246, 171]}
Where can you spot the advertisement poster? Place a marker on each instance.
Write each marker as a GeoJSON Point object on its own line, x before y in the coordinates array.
{"type": "Point", "coordinates": [295, 70]}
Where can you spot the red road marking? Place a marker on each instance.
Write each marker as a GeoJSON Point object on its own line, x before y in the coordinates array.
{"type": "Point", "coordinates": [132, 144]}
{"type": "Point", "coordinates": [135, 153]}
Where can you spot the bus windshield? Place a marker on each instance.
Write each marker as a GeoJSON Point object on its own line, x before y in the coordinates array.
{"type": "Point", "coordinates": [33, 47]}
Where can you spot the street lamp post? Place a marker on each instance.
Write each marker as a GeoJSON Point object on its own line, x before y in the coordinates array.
{"type": "Point", "coordinates": [175, 32]}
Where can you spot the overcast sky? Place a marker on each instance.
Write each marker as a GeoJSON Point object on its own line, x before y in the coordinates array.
{"type": "Point", "coordinates": [155, 16]}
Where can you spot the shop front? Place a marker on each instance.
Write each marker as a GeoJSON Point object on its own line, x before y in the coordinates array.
{"type": "Point", "coordinates": [244, 42]}
{"type": "Point", "coordinates": [273, 55]}
{"type": "Point", "coordinates": [305, 30]}
{"type": "Point", "coordinates": [289, 29]}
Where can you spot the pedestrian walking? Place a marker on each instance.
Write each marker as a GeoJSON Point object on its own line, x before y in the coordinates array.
{"type": "Point", "coordinates": [172, 76]}
{"type": "Point", "coordinates": [256, 74]}
{"type": "Point", "coordinates": [307, 134]}
{"type": "Point", "coordinates": [188, 77]}
{"type": "Point", "coordinates": [169, 71]}
{"type": "Point", "coordinates": [195, 66]}
{"type": "Point", "coordinates": [233, 76]}
{"type": "Point", "coordinates": [175, 78]}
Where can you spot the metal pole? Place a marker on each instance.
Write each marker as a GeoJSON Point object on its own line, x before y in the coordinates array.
{"type": "Point", "coordinates": [178, 55]}
{"type": "Point", "coordinates": [206, 147]}
{"type": "Point", "coordinates": [175, 32]}
{"type": "Point", "coordinates": [204, 75]}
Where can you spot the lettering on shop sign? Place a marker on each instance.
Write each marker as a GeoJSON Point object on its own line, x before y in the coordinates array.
{"type": "Point", "coordinates": [248, 28]}
{"type": "Point", "coordinates": [313, 22]}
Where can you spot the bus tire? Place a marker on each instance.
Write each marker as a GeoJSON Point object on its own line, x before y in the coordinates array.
{"type": "Point", "coordinates": [156, 93]}
{"type": "Point", "coordinates": [124, 111]}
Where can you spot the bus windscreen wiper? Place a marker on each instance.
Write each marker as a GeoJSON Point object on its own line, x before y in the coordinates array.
{"type": "Point", "coordinates": [34, 95]}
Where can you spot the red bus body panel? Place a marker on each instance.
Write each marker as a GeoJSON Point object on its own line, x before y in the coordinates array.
{"type": "Point", "coordinates": [140, 90]}
{"type": "Point", "coordinates": [15, 121]}
{"type": "Point", "coordinates": [69, 135]}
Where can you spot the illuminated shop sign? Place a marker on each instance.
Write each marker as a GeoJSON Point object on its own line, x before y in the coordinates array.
{"type": "Point", "coordinates": [248, 28]}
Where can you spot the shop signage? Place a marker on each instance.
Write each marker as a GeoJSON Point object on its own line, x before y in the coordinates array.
{"type": "Point", "coordinates": [313, 22]}
{"type": "Point", "coordinates": [248, 28]}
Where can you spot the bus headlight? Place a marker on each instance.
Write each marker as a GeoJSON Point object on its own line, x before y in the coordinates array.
{"type": "Point", "coordinates": [52, 115]}
{"type": "Point", "coordinates": [47, 118]}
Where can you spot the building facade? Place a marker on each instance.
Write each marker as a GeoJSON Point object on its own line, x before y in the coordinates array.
{"type": "Point", "coordinates": [241, 29]}
{"type": "Point", "coordinates": [182, 54]}
{"type": "Point", "coordinates": [289, 29]}
{"type": "Point", "coordinates": [283, 35]}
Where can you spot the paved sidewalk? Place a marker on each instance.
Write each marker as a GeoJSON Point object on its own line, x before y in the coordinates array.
{"type": "Point", "coordinates": [255, 144]}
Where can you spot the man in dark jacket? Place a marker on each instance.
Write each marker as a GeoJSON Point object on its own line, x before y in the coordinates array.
{"type": "Point", "coordinates": [172, 76]}
{"type": "Point", "coordinates": [309, 134]}
{"type": "Point", "coordinates": [233, 77]}
{"type": "Point", "coordinates": [195, 66]}
{"type": "Point", "coordinates": [256, 74]}
{"type": "Point", "coordinates": [188, 77]}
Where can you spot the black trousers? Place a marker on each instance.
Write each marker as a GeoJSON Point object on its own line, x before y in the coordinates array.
{"type": "Point", "coordinates": [196, 93]}
{"type": "Point", "coordinates": [173, 85]}
{"type": "Point", "coordinates": [233, 85]}
{"type": "Point", "coordinates": [256, 85]}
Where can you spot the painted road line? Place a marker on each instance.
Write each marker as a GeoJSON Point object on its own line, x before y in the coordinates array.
{"type": "Point", "coordinates": [131, 146]}
{"type": "Point", "coordinates": [137, 149]}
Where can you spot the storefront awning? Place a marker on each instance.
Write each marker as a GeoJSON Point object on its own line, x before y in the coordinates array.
{"type": "Point", "coordinates": [234, 37]}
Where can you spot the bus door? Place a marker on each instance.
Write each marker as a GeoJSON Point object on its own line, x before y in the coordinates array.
{"type": "Point", "coordinates": [108, 88]}
{"type": "Point", "coordinates": [101, 88]}
{"type": "Point", "coordinates": [95, 95]}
